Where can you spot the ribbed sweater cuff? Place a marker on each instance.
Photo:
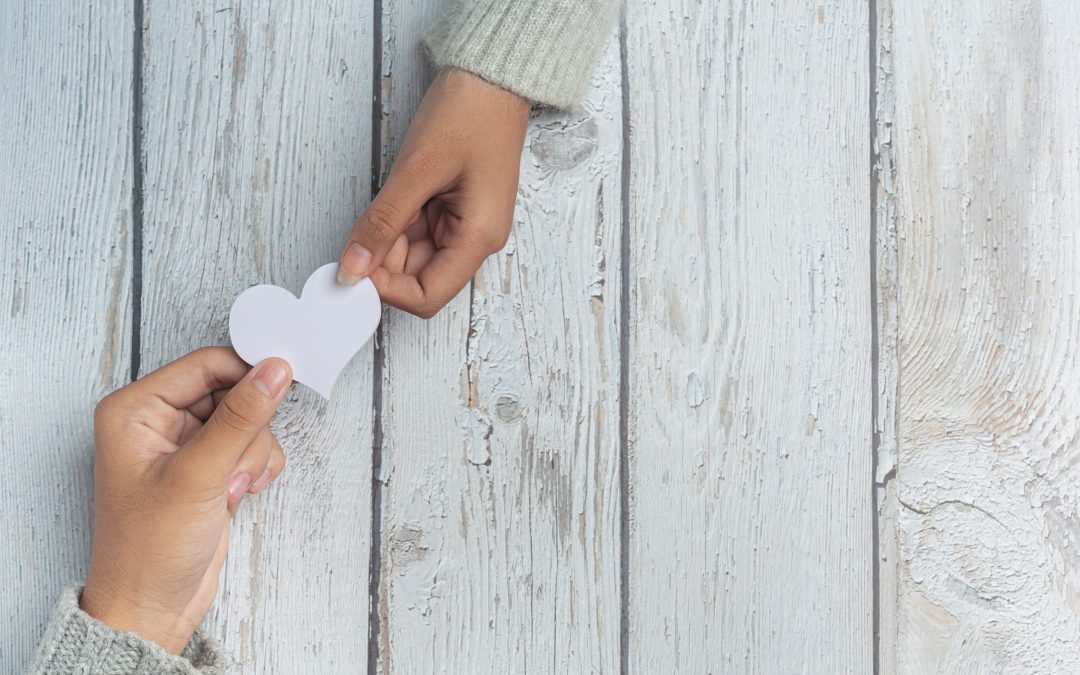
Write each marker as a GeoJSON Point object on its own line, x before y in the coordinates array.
{"type": "Point", "coordinates": [543, 50]}
{"type": "Point", "coordinates": [75, 642]}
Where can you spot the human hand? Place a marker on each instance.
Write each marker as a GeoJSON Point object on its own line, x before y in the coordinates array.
{"type": "Point", "coordinates": [175, 452]}
{"type": "Point", "coordinates": [448, 202]}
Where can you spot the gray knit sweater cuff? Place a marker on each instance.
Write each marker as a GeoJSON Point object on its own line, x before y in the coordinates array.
{"type": "Point", "coordinates": [75, 642]}
{"type": "Point", "coordinates": [543, 50]}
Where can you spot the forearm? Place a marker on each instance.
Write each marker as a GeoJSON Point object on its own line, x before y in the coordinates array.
{"type": "Point", "coordinates": [543, 50]}
{"type": "Point", "coordinates": [76, 642]}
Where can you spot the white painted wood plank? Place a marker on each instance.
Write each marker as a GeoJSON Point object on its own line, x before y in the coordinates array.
{"type": "Point", "coordinates": [751, 488]}
{"type": "Point", "coordinates": [65, 229]}
{"type": "Point", "coordinates": [257, 139]}
{"type": "Point", "coordinates": [985, 151]}
{"type": "Point", "coordinates": [421, 368]}
{"type": "Point", "coordinates": [423, 375]}
{"type": "Point", "coordinates": [500, 512]}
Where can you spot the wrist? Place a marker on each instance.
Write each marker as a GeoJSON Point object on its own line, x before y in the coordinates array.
{"type": "Point", "coordinates": [157, 625]}
{"type": "Point", "coordinates": [493, 96]}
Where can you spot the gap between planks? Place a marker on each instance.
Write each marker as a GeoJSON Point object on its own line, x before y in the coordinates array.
{"type": "Point", "coordinates": [137, 172]}
{"type": "Point", "coordinates": [875, 359]}
{"type": "Point", "coordinates": [375, 555]}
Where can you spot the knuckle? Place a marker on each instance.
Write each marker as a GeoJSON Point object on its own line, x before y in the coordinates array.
{"type": "Point", "coordinates": [204, 353]}
{"type": "Point", "coordinates": [233, 414]}
{"type": "Point", "coordinates": [490, 239]}
{"type": "Point", "coordinates": [211, 362]}
{"type": "Point", "coordinates": [111, 408]}
{"type": "Point", "coordinates": [495, 240]}
{"type": "Point", "coordinates": [428, 309]}
{"type": "Point", "coordinates": [105, 408]}
{"type": "Point", "coordinates": [378, 223]}
{"type": "Point", "coordinates": [210, 379]}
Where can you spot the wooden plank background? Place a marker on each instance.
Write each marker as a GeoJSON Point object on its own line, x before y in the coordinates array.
{"type": "Point", "coordinates": [500, 511]}
{"type": "Point", "coordinates": [773, 375]}
{"type": "Point", "coordinates": [988, 246]}
{"type": "Point", "coordinates": [750, 397]}
{"type": "Point", "coordinates": [65, 290]}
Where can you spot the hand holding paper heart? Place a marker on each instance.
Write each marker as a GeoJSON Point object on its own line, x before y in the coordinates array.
{"type": "Point", "coordinates": [175, 452]}
{"type": "Point", "coordinates": [317, 333]}
{"type": "Point", "coordinates": [448, 202]}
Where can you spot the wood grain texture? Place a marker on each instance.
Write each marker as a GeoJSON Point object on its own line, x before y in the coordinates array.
{"type": "Point", "coordinates": [500, 509]}
{"type": "Point", "coordinates": [986, 146]}
{"type": "Point", "coordinates": [65, 230]}
{"type": "Point", "coordinates": [751, 487]}
{"type": "Point", "coordinates": [257, 140]}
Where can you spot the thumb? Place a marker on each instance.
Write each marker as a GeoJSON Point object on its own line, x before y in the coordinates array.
{"type": "Point", "coordinates": [249, 406]}
{"type": "Point", "coordinates": [385, 219]}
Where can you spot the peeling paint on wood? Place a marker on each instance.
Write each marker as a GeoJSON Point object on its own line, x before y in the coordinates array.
{"type": "Point", "coordinates": [561, 145]}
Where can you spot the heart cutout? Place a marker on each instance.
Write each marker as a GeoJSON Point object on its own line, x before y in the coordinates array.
{"type": "Point", "coordinates": [317, 333]}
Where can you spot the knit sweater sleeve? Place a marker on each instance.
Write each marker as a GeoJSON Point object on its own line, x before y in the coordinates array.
{"type": "Point", "coordinates": [543, 50]}
{"type": "Point", "coordinates": [75, 642]}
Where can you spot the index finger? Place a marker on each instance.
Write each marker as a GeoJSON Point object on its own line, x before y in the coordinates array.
{"type": "Point", "coordinates": [428, 291]}
{"type": "Point", "coordinates": [188, 379]}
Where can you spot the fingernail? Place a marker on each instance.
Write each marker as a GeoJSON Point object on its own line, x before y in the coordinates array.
{"type": "Point", "coordinates": [260, 482]}
{"type": "Point", "coordinates": [272, 378]}
{"type": "Point", "coordinates": [238, 485]}
{"type": "Point", "coordinates": [354, 264]}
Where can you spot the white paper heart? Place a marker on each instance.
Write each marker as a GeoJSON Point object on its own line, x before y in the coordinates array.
{"type": "Point", "coordinates": [317, 334]}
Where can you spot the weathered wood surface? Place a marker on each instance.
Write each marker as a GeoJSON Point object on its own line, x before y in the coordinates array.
{"type": "Point", "coordinates": [985, 145]}
{"type": "Point", "coordinates": [65, 296]}
{"type": "Point", "coordinates": [500, 506]}
{"type": "Point", "coordinates": [750, 345]}
{"type": "Point", "coordinates": [257, 131]}
{"type": "Point", "coordinates": [421, 379]}
{"type": "Point", "coordinates": [806, 342]}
